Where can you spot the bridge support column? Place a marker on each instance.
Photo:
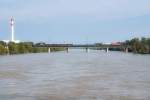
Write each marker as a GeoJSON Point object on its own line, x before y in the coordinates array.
{"type": "Point", "coordinates": [87, 49]}
{"type": "Point", "coordinates": [107, 49]}
{"type": "Point", "coordinates": [67, 49]}
{"type": "Point", "coordinates": [126, 50]}
{"type": "Point", "coordinates": [49, 50]}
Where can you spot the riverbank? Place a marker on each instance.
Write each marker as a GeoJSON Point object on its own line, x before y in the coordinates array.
{"type": "Point", "coordinates": [135, 45]}
{"type": "Point", "coordinates": [139, 45]}
{"type": "Point", "coordinates": [23, 48]}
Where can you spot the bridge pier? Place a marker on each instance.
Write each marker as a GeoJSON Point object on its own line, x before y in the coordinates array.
{"type": "Point", "coordinates": [126, 50]}
{"type": "Point", "coordinates": [107, 49]}
{"type": "Point", "coordinates": [49, 50]}
{"type": "Point", "coordinates": [87, 49]}
{"type": "Point", "coordinates": [67, 49]}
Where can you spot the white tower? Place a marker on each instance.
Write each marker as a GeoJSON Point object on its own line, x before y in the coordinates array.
{"type": "Point", "coordinates": [12, 29]}
{"type": "Point", "coordinates": [12, 33]}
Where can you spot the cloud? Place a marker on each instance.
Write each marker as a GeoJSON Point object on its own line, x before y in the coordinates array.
{"type": "Point", "coordinates": [53, 9]}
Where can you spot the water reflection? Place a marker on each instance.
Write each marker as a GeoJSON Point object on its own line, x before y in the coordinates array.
{"type": "Point", "coordinates": [76, 75]}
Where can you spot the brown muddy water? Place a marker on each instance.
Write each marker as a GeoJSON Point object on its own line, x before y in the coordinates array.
{"type": "Point", "coordinates": [76, 75]}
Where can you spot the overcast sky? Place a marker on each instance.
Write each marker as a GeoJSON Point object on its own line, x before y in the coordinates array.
{"type": "Point", "coordinates": [75, 21]}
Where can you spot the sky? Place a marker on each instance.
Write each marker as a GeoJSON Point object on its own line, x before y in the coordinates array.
{"type": "Point", "coordinates": [75, 21]}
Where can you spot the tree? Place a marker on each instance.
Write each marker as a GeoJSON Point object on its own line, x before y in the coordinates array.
{"type": "Point", "coordinates": [139, 45]}
{"type": "Point", "coordinates": [13, 48]}
{"type": "Point", "coordinates": [3, 43]}
{"type": "Point", "coordinates": [3, 50]}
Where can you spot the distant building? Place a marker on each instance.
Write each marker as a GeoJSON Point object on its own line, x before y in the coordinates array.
{"type": "Point", "coordinates": [116, 43]}
{"type": "Point", "coordinates": [106, 43]}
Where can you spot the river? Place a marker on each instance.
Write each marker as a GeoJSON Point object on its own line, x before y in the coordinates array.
{"type": "Point", "coordinates": [76, 75]}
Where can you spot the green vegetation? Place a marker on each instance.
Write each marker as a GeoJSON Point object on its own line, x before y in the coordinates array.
{"type": "Point", "coordinates": [137, 45]}
{"type": "Point", "coordinates": [3, 49]}
{"type": "Point", "coordinates": [23, 47]}
{"type": "Point", "coordinates": [57, 49]}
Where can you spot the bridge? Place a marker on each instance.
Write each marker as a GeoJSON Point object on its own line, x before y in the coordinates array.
{"type": "Point", "coordinates": [87, 47]}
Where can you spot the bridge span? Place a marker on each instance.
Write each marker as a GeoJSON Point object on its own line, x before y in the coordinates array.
{"type": "Point", "coordinates": [87, 47]}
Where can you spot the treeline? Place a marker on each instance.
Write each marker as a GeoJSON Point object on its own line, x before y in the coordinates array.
{"type": "Point", "coordinates": [139, 45]}
{"type": "Point", "coordinates": [21, 48]}
{"type": "Point", "coordinates": [136, 45]}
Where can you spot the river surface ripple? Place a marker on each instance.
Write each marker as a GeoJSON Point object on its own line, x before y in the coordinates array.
{"type": "Point", "coordinates": [76, 75]}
